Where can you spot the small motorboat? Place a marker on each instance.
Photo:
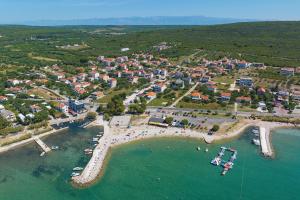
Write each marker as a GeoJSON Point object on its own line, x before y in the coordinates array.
{"type": "Point", "coordinates": [43, 154]}
{"type": "Point", "coordinates": [54, 147]}
{"type": "Point", "coordinates": [256, 142]}
{"type": "Point", "coordinates": [74, 174]}
{"type": "Point", "coordinates": [255, 131]}
{"type": "Point", "coordinates": [77, 169]}
{"type": "Point", "coordinates": [88, 150]}
{"type": "Point", "coordinates": [198, 148]}
{"type": "Point", "coordinates": [206, 150]}
{"type": "Point", "coordinates": [216, 161]}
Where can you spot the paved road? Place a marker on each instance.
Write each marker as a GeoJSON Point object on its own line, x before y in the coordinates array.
{"type": "Point", "coordinates": [132, 97]}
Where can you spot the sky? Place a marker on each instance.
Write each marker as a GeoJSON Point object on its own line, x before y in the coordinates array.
{"type": "Point", "coordinates": [12, 11]}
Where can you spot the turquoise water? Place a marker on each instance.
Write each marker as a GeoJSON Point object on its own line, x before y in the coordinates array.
{"type": "Point", "coordinates": [154, 169]}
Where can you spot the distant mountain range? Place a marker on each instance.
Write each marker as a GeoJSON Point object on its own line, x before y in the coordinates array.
{"type": "Point", "coordinates": [160, 20]}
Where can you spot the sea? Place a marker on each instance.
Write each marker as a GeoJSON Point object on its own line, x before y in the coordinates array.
{"type": "Point", "coordinates": [154, 169]}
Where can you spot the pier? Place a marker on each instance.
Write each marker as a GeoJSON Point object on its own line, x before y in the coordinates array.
{"type": "Point", "coordinates": [265, 141]}
{"type": "Point", "coordinates": [227, 165]}
{"type": "Point", "coordinates": [45, 148]}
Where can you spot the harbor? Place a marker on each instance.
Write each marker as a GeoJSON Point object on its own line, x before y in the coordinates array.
{"type": "Point", "coordinates": [129, 163]}
{"type": "Point", "coordinates": [114, 136]}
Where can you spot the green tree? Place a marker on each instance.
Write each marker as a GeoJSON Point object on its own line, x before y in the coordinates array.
{"type": "Point", "coordinates": [185, 122]}
{"type": "Point", "coordinates": [3, 123]}
{"type": "Point", "coordinates": [169, 120]}
{"type": "Point", "coordinates": [215, 128]}
{"type": "Point", "coordinates": [91, 115]}
{"type": "Point", "coordinates": [115, 107]}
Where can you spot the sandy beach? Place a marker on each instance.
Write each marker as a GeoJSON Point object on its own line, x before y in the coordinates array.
{"type": "Point", "coordinates": [117, 136]}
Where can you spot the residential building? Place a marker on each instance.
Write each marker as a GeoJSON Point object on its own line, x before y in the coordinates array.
{"type": "Point", "coordinates": [8, 115]}
{"type": "Point", "coordinates": [76, 106]}
{"type": "Point", "coordinates": [296, 96]}
{"type": "Point", "coordinates": [150, 95]}
{"type": "Point", "coordinates": [97, 95]}
{"type": "Point", "coordinates": [205, 79]}
{"type": "Point", "coordinates": [283, 95]}
{"type": "Point", "coordinates": [112, 83]}
{"type": "Point", "coordinates": [243, 65]}
{"type": "Point", "coordinates": [63, 108]}
{"type": "Point", "coordinates": [196, 96]}
{"type": "Point", "coordinates": [159, 87]}
{"type": "Point", "coordinates": [3, 99]}
{"type": "Point", "coordinates": [35, 108]}
{"type": "Point", "coordinates": [243, 99]}
{"type": "Point", "coordinates": [287, 71]}
{"type": "Point", "coordinates": [245, 82]}
{"type": "Point", "coordinates": [225, 96]}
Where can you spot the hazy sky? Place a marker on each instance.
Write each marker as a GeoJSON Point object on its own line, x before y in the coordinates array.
{"type": "Point", "coordinates": [24, 10]}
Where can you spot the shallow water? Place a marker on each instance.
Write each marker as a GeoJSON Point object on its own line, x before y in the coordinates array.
{"type": "Point", "coordinates": [154, 169]}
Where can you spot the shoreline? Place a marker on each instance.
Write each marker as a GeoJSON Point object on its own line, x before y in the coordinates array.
{"type": "Point", "coordinates": [29, 140]}
{"type": "Point", "coordinates": [112, 138]}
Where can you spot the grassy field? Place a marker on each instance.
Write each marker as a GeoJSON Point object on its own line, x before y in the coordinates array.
{"type": "Point", "coordinates": [158, 102]}
{"type": "Point", "coordinates": [40, 92]}
{"type": "Point", "coordinates": [224, 79]}
{"type": "Point", "coordinates": [107, 98]}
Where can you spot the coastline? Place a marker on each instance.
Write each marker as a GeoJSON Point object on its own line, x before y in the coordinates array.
{"type": "Point", "coordinates": [29, 140]}
{"type": "Point", "coordinates": [112, 138]}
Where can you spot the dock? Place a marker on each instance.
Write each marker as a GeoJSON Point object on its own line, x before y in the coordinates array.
{"type": "Point", "coordinates": [227, 165]}
{"type": "Point", "coordinates": [45, 148]}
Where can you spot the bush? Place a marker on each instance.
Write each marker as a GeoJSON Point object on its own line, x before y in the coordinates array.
{"type": "Point", "coordinates": [91, 115]}
{"type": "Point", "coordinates": [215, 128]}
{"type": "Point", "coordinates": [10, 130]}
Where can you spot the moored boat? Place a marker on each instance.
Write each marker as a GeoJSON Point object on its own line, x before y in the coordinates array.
{"type": "Point", "coordinates": [77, 169]}
{"type": "Point", "coordinates": [43, 153]}
{"type": "Point", "coordinates": [54, 147]}
{"type": "Point", "coordinates": [74, 174]}
{"type": "Point", "coordinates": [256, 142]}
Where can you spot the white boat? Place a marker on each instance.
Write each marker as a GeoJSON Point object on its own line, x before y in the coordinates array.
{"type": "Point", "coordinates": [95, 139]}
{"type": "Point", "coordinates": [88, 150]}
{"type": "Point", "coordinates": [77, 169]}
{"type": "Point", "coordinates": [74, 174]}
{"type": "Point", "coordinates": [256, 142]}
{"type": "Point", "coordinates": [255, 131]}
{"type": "Point", "coordinates": [54, 147]}
{"type": "Point", "coordinates": [216, 161]}
{"type": "Point", "coordinates": [43, 153]}
{"type": "Point", "coordinates": [206, 150]}
{"type": "Point", "coordinates": [198, 148]}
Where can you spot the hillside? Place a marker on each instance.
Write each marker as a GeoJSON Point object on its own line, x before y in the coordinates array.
{"type": "Point", "coordinates": [274, 43]}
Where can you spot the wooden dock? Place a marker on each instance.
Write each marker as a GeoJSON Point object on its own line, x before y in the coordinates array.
{"type": "Point", "coordinates": [45, 148]}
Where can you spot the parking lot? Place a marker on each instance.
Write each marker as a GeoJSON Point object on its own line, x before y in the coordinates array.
{"type": "Point", "coordinates": [194, 120]}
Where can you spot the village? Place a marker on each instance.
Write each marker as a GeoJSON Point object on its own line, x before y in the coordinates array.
{"type": "Point", "coordinates": [142, 83]}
